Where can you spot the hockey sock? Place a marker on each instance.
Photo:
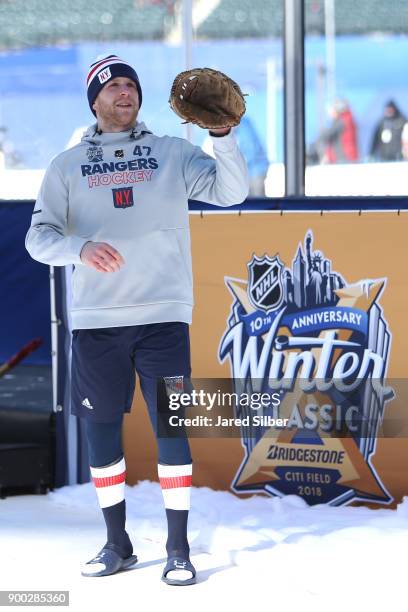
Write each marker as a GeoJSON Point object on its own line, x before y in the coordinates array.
{"type": "Point", "coordinates": [175, 481]}
{"type": "Point", "coordinates": [109, 481]}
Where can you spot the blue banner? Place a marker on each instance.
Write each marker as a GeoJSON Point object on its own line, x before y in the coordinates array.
{"type": "Point", "coordinates": [25, 283]}
{"type": "Point", "coordinates": [308, 321]}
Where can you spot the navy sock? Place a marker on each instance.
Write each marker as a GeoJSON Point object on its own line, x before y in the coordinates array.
{"type": "Point", "coordinates": [177, 543]}
{"type": "Point", "coordinates": [118, 539]}
{"type": "Point", "coordinates": [106, 454]}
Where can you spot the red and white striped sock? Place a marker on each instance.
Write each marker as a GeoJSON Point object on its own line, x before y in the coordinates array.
{"type": "Point", "coordinates": [110, 483]}
{"type": "Point", "coordinates": [175, 482]}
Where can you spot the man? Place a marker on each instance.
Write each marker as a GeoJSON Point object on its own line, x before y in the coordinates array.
{"type": "Point", "coordinates": [338, 142]}
{"type": "Point", "coordinates": [116, 207]}
{"type": "Point", "coordinates": [386, 142]}
{"type": "Point", "coordinates": [254, 154]}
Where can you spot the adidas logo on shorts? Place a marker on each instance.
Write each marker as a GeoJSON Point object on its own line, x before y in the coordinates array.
{"type": "Point", "coordinates": [87, 404]}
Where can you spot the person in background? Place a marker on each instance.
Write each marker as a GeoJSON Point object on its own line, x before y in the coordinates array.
{"type": "Point", "coordinates": [386, 142]}
{"type": "Point", "coordinates": [337, 144]}
{"type": "Point", "coordinates": [253, 152]}
{"type": "Point", "coordinates": [255, 155]}
{"type": "Point", "coordinates": [9, 157]}
{"type": "Point", "coordinates": [404, 142]}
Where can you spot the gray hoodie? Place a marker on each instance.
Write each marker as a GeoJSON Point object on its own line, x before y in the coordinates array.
{"type": "Point", "coordinates": [131, 190]}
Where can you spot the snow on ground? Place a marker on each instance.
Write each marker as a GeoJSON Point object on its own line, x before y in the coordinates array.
{"type": "Point", "coordinates": [248, 552]}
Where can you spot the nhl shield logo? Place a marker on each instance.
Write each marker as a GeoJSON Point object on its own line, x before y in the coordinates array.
{"type": "Point", "coordinates": [265, 282]}
{"type": "Point", "coordinates": [95, 154]}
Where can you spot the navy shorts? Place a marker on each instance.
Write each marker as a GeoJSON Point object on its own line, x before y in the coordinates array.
{"type": "Point", "coordinates": [104, 362]}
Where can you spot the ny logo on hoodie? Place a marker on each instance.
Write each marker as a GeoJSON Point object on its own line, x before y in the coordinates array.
{"type": "Point", "coordinates": [123, 197]}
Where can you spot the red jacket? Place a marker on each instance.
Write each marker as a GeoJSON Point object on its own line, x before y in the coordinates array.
{"type": "Point", "coordinates": [341, 139]}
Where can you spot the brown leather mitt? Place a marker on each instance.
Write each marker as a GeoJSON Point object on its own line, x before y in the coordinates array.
{"type": "Point", "coordinates": [208, 98]}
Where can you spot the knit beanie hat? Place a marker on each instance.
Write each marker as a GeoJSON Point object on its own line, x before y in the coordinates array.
{"type": "Point", "coordinates": [105, 69]}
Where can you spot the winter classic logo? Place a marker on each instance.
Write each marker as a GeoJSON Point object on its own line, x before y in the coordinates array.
{"type": "Point", "coordinates": [323, 344]}
{"type": "Point", "coordinates": [94, 154]}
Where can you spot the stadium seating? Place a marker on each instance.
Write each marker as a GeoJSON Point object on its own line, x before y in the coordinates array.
{"type": "Point", "coordinates": [41, 22]}
{"type": "Point", "coordinates": [264, 18]}
{"type": "Point", "coordinates": [46, 22]}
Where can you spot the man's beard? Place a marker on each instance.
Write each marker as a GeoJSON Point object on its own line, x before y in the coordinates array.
{"type": "Point", "coordinates": [116, 117]}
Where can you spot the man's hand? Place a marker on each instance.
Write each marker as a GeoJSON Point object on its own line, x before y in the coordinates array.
{"type": "Point", "coordinates": [220, 131]}
{"type": "Point", "coordinates": [101, 256]}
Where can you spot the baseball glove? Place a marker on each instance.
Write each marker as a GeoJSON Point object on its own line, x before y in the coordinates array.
{"type": "Point", "coordinates": [208, 98]}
